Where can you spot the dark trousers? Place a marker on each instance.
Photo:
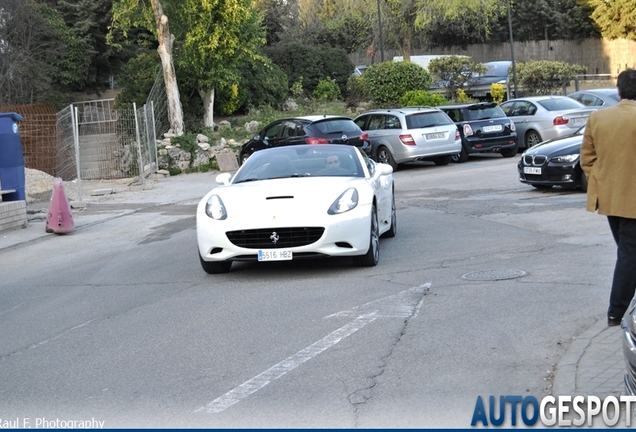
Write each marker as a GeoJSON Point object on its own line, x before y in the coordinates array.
{"type": "Point", "coordinates": [624, 282]}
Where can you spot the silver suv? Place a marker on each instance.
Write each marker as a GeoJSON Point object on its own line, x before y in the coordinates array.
{"type": "Point", "coordinates": [410, 134]}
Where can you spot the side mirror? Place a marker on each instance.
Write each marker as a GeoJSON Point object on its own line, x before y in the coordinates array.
{"type": "Point", "coordinates": [383, 169]}
{"type": "Point", "coordinates": [224, 178]}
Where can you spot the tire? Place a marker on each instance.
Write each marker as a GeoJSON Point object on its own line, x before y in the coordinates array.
{"type": "Point", "coordinates": [542, 186]}
{"type": "Point", "coordinates": [243, 157]}
{"type": "Point", "coordinates": [532, 139]}
{"type": "Point", "coordinates": [215, 267]}
{"type": "Point", "coordinates": [372, 257]}
{"type": "Point", "coordinates": [461, 156]}
{"type": "Point", "coordinates": [383, 155]}
{"type": "Point", "coordinates": [510, 152]}
{"type": "Point", "coordinates": [442, 160]}
{"type": "Point", "coordinates": [393, 230]}
{"type": "Point", "coordinates": [582, 180]}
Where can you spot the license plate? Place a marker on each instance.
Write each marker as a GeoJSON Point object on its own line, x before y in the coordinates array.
{"type": "Point", "coordinates": [275, 255]}
{"type": "Point", "coordinates": [494, 128]}
{"type": "Point", "coordinates": [532, 170]}
{"type": "Point", "coordinates": [579, 121]}
{"type": "Point", "coordinates": [435, 135]}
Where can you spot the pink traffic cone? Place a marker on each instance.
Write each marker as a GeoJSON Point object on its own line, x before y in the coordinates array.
{"type": "Point", "coordinates": [60, 219]}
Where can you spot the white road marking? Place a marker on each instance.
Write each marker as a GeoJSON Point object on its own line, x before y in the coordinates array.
{"type": "Point", "coordinates": [261, 380]}
{"type": "Point", "coordinates": [402, 305]}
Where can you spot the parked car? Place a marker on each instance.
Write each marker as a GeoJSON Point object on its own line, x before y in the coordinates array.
{"type": "Point", "coordinates": [410, 134]}
{"type": "Point", "coordinates": [628, 328]}
{"type": "Point", "coordinates": [540, 118]}
{"type": "Point", "coordinates": [290, 203]}
{"type": "Point", "coordinates": [478, 87]}
{"type": "Point", "coordinates": [484, 128]}
{"type": "Point", "coordinates": [600, 98]}
{"type": "Point", "coordinates": [555, 162]}
{"type": "Point", "coordinates": [316, 129]}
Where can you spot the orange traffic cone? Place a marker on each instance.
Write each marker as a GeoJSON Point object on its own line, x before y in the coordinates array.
{"type": "Point", "coordinates": [60, 219]}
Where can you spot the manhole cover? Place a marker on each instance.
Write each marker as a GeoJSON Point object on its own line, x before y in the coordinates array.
{"type": "Point", "coordinates": [492, 275]}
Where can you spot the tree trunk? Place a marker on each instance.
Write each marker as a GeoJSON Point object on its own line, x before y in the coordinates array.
{"type": "Point", "coordinates": [175, 112]}
{"type": "Point", "coordinates": [208, 105]}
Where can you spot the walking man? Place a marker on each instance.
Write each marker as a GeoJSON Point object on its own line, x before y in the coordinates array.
{"type": "Point", "coordinates": [608, 158]}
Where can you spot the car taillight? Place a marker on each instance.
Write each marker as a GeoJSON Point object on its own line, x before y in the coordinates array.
{"type": "Point", "coordinates": [560, 120]}
{"type": "Point", "coordinates": [468, 131]}
{"type": "Point", "coordinates": [364, 136]}
{"type": "Point", "coordinates": [316, 140]}
{"type": "Point", "coordinates": [407, 139]}
{"type": "Point", "coordinates": [457, 135]}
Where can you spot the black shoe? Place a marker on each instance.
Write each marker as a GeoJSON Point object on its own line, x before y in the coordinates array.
{"type": "Point", "coordinates": [613, 321]}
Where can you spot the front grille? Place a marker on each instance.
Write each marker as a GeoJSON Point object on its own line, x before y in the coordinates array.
{"type": "Point", "coordinates": [534, 160]}
{"type": "Point", "coordinates": [275, 238]}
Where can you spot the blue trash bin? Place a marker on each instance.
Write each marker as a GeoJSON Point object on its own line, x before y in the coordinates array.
{"type": "Point", "coordinates": [11, 157]}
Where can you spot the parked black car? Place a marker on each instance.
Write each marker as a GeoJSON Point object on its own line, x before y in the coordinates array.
{"type": "Point", "coordinates": [316, 129]}
{"type": "Point", "coordinates": [479, 86]}
{"type": "Point", "coordinates": [484, 128]}
{"type": "Point", "coordinates": [555, 162]}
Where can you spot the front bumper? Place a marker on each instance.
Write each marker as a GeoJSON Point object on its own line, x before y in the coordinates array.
{"type": "Point", "coordinates": [566, 175]}
{"type": "Point", "coordinates": [346, 234]}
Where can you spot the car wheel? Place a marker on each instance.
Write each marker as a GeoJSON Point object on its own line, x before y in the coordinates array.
{"type": "Point", "coordinates": [393, 230]}
{"type": "Point", "coordinates": [542, 186]}
{"type": "Point", "coordinates": [372, 256]}
{"type": "Point", "coordinates": [442, 160]}
{"type": "Point", "coordinates": [384, 156]}
{"type": "Point", "coordinates": [243, 157]}
{"type": "Point", "coordinates": [582, 180]}
{"type": "Point", "coordinates": [461, 156]}
{"type": "Point", "coordinates": [215, 267]}
{"type": "Point", "coordinates": [509, 152]}
{"type": "Point", "coordinates": [532, 139]}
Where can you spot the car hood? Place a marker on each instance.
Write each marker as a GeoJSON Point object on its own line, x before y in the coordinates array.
{"type": "Point", "coordinates": [558, 146]}
{"type": "Point", "coordinates": [302, 195]}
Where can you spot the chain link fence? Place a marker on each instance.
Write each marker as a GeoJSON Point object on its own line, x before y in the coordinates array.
{"type": "Point", "coordinates": [95, 141]}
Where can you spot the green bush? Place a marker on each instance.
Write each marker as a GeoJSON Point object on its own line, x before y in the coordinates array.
{"type": "Point", "coordinates": [385, 83]}
{"type": "Point", "coordinates": [453, 72]}
{"type": "Point", "coordinates": [422, 98]}
{"type": "Point", "coordinates": [137, 78]}
{"type": "Point", "coordinates": [546, 77]}
{"type": "Point", "coordinates": [327, 89]}
{"type": "Point", "coordinates": [261, 84]}
{"type": "Point", "coordinates": [312, 63]}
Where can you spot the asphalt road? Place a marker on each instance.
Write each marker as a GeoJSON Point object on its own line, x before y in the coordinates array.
{"type": "Point", "coordinates": [480, 293]}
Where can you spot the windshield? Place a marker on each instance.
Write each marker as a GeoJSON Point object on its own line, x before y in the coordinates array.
{"type": "Point", "coordinates": [427, 119]}
{"type": "Point", "coordinates": [484, 113]}
{"type": "Point", "coordinates": [318, 160]}
{"type": "Point", "coordinates": [560, 104]}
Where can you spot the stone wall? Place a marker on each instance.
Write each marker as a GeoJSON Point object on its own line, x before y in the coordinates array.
{"type": "Point", "coordinates": [600, 56]}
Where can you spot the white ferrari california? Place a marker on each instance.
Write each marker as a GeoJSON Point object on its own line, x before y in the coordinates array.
{"type": "Point", "coordinates": [297, 202]}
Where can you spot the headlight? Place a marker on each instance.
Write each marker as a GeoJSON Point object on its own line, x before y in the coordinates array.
{"type": "Point", "coordinates": [345, 202]}
{"type": "Point", "coordinates": [215, 208]}
{"type": "Point", "coordinates": [565, 158]}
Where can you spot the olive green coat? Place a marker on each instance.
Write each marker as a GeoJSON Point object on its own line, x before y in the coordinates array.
{"type": "Point", "coordinates": [608, 158]}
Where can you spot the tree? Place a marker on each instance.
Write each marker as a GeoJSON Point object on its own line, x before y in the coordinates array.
{"type": "Point", "coordinates": [615, 19]}
{"type": "Point", "coordinates": [216, 35]}
{"type": "Point", "coordinates": [452, 72]}
{"type": "Point", "coordinates": [40, 55]}
{"type": "Point", "coordinates": [130, 13]}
